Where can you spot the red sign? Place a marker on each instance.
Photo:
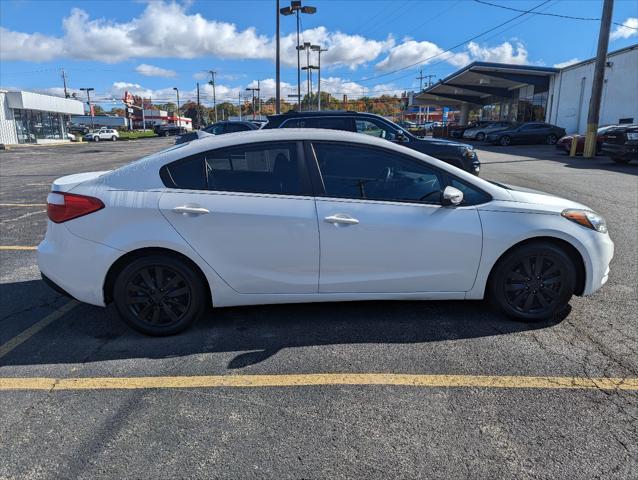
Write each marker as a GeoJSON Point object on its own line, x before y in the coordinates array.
{"type": "Point", "coordinates": [128, 98]}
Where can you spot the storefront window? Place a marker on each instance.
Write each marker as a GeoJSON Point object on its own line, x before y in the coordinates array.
{"type": "Point", "coordinates": [33, 125]}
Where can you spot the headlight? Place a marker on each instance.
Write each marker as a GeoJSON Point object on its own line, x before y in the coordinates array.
{"type": "Point", "coordinates": [586, 218]}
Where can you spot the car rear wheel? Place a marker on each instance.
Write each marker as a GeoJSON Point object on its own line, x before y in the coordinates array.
{"type": "Point", "coordinates": [533, 282]}
{"type": "Point", "coordinates": [113, 138]}
{"type": "Point", "coordinates": [159, 295]}
{"type": "Point", "coordinates": [166, 134]}
{"type": "Point", "coordinates": [505, 140]}
{"type": "Point", "coordinates": [621, 160]}
{"type": "Point", "coordinates": [480, 136]}
{"type": "Point", "coordinates": [551, 139]}
{"type": "Point", "coordinates": [96, 138]}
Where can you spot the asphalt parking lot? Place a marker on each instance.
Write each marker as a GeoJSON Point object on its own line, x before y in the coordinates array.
{"type": "Point", "coordinates": [466, 393]}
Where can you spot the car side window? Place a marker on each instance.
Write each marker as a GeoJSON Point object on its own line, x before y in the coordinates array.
{"type": "Point", "coordinates": [471, 195]}
{"type": "Point", "coordinates": [235, 127]}
{"type": "Point", "coordinates": [187, 173]}
{"type": "Point", "coordinates": [350, 171]}
{"type": "Point", "coordinates": [373, 129]}
{"type": "Point", "coordinates": [265, 168]}
{"type": "Point", "coordinates": [331, 123]}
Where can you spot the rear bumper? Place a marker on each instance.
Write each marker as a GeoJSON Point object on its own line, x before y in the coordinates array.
{"type": "Point", "coordinates": [75, 266]}
{"type": "Point", "coordinates": [621, 151]}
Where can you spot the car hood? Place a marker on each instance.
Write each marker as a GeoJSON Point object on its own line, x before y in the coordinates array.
{"type": "Point", "coordinates": [529, 199]}
{"type": "Point", "coordinates": [440, 141]}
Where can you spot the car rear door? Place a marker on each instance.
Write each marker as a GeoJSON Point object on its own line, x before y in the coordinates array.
{"type": "Point", "coordinates": [382, 228]}
{"type": "Point", "coordinates": [249, 212]}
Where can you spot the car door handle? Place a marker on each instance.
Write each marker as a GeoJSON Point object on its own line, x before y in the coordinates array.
{"type": "Point", "coordinates": [341, 219]}
{"type": "Point", "coordinates": [190, 210]}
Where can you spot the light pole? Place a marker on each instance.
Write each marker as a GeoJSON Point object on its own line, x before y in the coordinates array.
{"type": "Point", "coordinates": [296, 8]}
{"type": "Point", "coordinates": [88, 101]}
{"type": "Point", "coordinates": [318, 49]}
{"type": "Point", "coordinates": [179, 123]}
{"type": "Point", "coordinates": [277, 64]}
{"type": "Point", "coordinates": [253, 90]}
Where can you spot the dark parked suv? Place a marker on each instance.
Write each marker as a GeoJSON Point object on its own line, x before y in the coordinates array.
{"type": "Point", "coordinates": [621, 143]}
{"type": "Point", "coordinates": [458, 154]}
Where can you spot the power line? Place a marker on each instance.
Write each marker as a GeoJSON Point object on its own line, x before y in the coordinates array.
{"type": "Point", "coordinates": [448, 50]}
{"type": "Point", "coordinates": [557, 15]}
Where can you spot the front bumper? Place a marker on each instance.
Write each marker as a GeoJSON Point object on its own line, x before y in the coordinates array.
{"type": "Point", "coordinates": [629, 151]}
{"type": "Point", "coordinates": [601, 252]}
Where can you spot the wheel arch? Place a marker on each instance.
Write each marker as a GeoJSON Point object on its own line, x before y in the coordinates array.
{"type": "Point", "coordinates": [121, 262]}
{"type": "Point", "coordinates": [573, 253]}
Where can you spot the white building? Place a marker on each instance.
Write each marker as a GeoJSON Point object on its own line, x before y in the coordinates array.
{"type": "Point", "coordinates": [27, 117]}
{"type": "Point", "coordinates": [570, 92]}
{"type": "Point", "coordinates": [522, 93]}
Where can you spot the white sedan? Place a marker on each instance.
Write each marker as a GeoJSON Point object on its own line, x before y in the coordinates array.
{"type": "Point", "coordinates": [307, 215]}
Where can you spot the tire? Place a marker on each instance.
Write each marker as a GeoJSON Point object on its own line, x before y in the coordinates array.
{"type": "Point", "coordinates": [113, 138]}
{"type": "Point", "coordinates": [520, 292]}
{"type": "Point", "coordinates": [620, 160]}
{"type": "Point", "coordinates": [164, 309]}
{"type": "Point", "coordinates": [551, 139]}
{"type": "Point", "coordinates": [505, 140]}
{"type": "Point", "coordinates": [480, 136]}
{"type": "Point", "coordinates": [166, 134]}
{"type": "Point", "coordinates": [96, 139]}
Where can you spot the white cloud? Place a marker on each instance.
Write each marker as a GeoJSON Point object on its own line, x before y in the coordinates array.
{"type": "Point", "coordinates": [567, 63]}
{"type": "Point", "coordinates": [628, 29]}
{"type": "Point", "coordinates": [167, 30]}
{"type": "Point", "coordinates": [153, 71]}
{"type": "Point", "coordinates": [411, 52]}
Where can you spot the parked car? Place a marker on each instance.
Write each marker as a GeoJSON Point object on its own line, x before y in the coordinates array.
{"type": "Point", "coordinates": [565, 143]}
{"type": "Point", "coordinates": [102, 134]}
{"type": "Point", "coordinates": [458, 130]}
{"type": "Point", "coordinates": [218, 128]}
{"type": "Point", "coordinates": [527, 133]}
{"type": "Point", "coordinates": [242, 220]}
{"type": "Point", "coordinates": [408, 125]}
{"type": "Point", "coordinates": [460, 155]}
{"type": "Point", "coordinates": [168, 130]}
{"type": "Point", "coordinates": [78, 129]}
{"type": "Point", "coordinates": [621, 143]}
{"type": "Point", "coordinates": [479, 133]}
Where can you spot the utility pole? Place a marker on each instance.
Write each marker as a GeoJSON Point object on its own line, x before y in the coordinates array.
{"type": "Point", "coordinates": [239, 105]}
{"type": "Point", "coordinates": [66, 93]}
{"type": "Point", "coordinates": [597, 84]}
{"type": "Point", "coordinates": [277, 66]}
{"type": "Point", "coordinates": [258, 98]}
{"type": "Point", "coordinates": [420, 79]}
{"type": "Point", "coordinates": [199, 116]}
{"type": "Point", "coordinates": [179, 119]}
{"type": "Point", "coordinates": [88, 101]}
{"type": "Point", "coordinates": [212, 82]}
{"type": "Point", "coordinates": [253, 90]}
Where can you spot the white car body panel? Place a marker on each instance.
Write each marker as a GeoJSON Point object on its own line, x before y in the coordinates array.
{"type": "Point", "coordinates": [398, 247]}
{"type": "Point", "coordinates": [260, 249]}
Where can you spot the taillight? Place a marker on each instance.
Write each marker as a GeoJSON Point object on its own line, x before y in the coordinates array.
{"type": "Point", "coordinates": [62, 206]}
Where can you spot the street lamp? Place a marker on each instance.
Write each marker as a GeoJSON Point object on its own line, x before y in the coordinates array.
{"type": "Point", "coordinates": [253, 90]}
{"type": "Point", "coordinates": [88, 101]}
{"type": "Point", "coordinates": [296, 8]}
{"type": "Point", "coordinates": [179, 122]}
{"type": "Point", "coordinates": [318, 49]}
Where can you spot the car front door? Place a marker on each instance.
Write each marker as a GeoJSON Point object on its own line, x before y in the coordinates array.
{"type": "Point", "coordinates": [383, 229]}
{"type": "Point", "coordinates": [249, 212]}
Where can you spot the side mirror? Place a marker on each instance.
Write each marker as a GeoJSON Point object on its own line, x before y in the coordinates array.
{"type": "Point", "coordinates": [401, 136]}
{"type": "Point", "coordinates": [451, 197]}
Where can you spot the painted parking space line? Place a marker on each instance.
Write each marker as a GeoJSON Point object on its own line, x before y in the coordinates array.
{"type": "Point", "coordinates": [22, 337]}
{"type": "Point", "coordinates": [318, 379]}
{"type": "Point", "coordinates": [8, 205]}
{"type": "Point", "coordinates": [17, 247]}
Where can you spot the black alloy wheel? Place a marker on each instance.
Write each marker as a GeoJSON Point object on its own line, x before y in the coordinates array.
{"type": "Point", "coordinates": [159, 295]}
{"type": "Point", "coordinates": [533, 282]}
{"type": "Point", "coordinates": [505, 140]}
{"type": "Point", "coordinates": [480, 136]}
{"type": "Point", "coordinates": [551, 139]}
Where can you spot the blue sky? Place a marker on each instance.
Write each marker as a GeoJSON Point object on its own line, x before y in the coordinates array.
{"type": "Point", "coordinates": [151, 47]}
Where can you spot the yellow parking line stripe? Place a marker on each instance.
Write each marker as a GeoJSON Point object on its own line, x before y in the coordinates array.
{"type": "Point", "coordinates": [23, 204]}
{"type": "Point", "coordinates": [318, 379]}
{"type": "Point", "coordinates": [16, 247]}
{"type": "Point", "coordinates": [19, 339]}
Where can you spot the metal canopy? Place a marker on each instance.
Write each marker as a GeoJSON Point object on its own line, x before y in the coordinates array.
{"type": "Point", "coordinates": [477, 83]}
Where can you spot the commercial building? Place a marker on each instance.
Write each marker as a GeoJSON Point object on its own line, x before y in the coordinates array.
{"type": "Point", "coordinates": [522, 93]}
{"type": "Point", "coordinates": [148, 118]}
{"type": "Point", "coordinates": [27, 117]}
{"type": "Point", "coordinates": [97, 121]}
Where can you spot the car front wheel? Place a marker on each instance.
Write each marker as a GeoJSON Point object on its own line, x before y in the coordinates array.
{"type": "Point", "coordinates": [113, 138]}
{"type": "Point", "coordinates": [505, 140]}
{"type": "Point", "coordinates": [551, 139]}
{"type": "Point", "coordinates": [533, 282]}
{"type": "Point", "coordinates": [480, 136]}
{"type": "Point", "coordinates": [159, 295]}
{"type": "Point", "coordinates": [96, 139]}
